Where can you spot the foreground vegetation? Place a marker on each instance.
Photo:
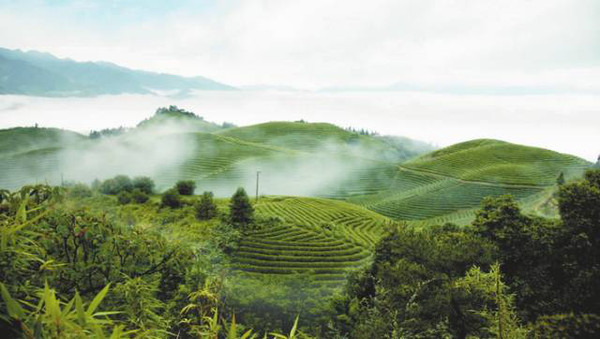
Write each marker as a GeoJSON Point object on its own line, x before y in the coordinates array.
{"type": "Point", "coordinates": [76, 262]}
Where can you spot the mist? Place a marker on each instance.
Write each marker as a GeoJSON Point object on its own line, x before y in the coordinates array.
{"type": "Point", "coordinates": [565, 123]}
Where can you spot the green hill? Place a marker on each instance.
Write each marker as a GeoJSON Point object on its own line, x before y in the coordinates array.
{"type": "Point", "coordinates": [447, 184]}
{"type": "Point", "coordinates": [311, 159]}
{"type": "Point", "coordinates": [295, 158]}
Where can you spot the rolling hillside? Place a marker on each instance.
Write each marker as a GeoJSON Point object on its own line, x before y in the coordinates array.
{"type": "Point", "coordinates": [448, 184]}
{"type": "Point", "coordinates": [296, 159]}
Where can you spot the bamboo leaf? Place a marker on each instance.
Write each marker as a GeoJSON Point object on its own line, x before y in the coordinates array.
{"type": "Point", "coordinates": [97, 300]}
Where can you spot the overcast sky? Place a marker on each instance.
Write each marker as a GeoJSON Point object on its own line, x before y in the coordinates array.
{"type": "Point", "coordinates": [453, 45]}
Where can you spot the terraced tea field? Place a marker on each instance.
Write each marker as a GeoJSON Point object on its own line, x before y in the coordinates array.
{"type": "Point", "coordinates": [448, 185]}
{"type": "Point", "coordinates": [324, 238]}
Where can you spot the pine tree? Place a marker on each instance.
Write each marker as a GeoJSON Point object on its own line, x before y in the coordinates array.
{"type": "Point", "coordinates": [561, 179]}
{"type": "Point", "coordinates": [206, 208]}
{"type": "Point", "coordinates": [240, 210]}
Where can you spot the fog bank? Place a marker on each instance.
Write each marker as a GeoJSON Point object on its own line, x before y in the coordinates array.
{"type": "Point", "coordinates": [566, 123]}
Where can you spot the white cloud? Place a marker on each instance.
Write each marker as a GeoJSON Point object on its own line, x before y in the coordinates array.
{"type": "Point", "coordinates": [315, 43]}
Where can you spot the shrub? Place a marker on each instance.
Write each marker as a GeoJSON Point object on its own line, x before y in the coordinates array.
{"type": "Point", "coordinates": [185, 187]}
{"type": "Point", "coordinates": [206, 208]}
{"type": "Point", "coordinates": [240, 209]}
{"type": "Point", "coordinates": [80, 191]}
{"type": "Point", "coordinates": [139, 196]}
{"type": "Point", "coordinates": [144, 184]}
{"type": "Point", "coordinates": [171, 198]}
{"type": "Point", "coordinates": [124, 198]}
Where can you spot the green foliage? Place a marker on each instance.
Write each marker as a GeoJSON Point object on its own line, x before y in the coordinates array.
{"type": "Point", "coordinates": [143, 309]}
{"type": "Point", "coordinates": [144, 184]}
{"type": "Point", "coordinates": [560, 180]}
{"type": "Point", "coordinates": [241, 212]}
{"type": "Point", "coordinates": [408, 290]}
{"type": "Point", "coordinates": [206, 208]}
{"type": "Point", "coordinates": [581, 326]}
{"type": "Point", "coordinates": [116, 185]}
{"type": "Point", "coordinates": [498, 311]}
{"type": "Point", "coordinates": [139, 196]}
{"type": "Point", "coordinates": [185, 187]}
{"type": "Point", "coordinates": [80, 191]}
{"type": "Point", "coordinates": [53, 318]}
{"type": "Point", "coordinates": [171, 198]}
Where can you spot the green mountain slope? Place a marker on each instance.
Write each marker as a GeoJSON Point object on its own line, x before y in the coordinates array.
{"type": "Point", "coordinates": [447, 184]}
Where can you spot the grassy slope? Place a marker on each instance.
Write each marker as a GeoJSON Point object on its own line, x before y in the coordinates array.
{"type": "Point", "coordinates": [448, 184]}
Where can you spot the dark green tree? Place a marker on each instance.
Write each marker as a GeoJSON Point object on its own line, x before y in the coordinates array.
{"type": "Point", "coordinates": [561, 179]}
{"type": "Point", "coordinates": [144, 184]}
{"type": "Point", "coordinates": [579, 206]}
{"type": "Point", "coordinates": [241, 212]}
{"type": "Point", "coordinates": [171, 198]}
{"type": "Point", "coordinates": [185, 187]}
{"type": "Point", "coordinates": [206, 208]}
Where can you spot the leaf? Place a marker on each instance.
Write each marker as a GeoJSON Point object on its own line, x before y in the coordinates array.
{"type": "Point", "coordinates": [232, 333]}
{"type": "Point", "coordinates": [13, 307]}
{"type": "Point", "coordinates": [79, 308]}
{"type": "Point", "coordinates": [97, 300]}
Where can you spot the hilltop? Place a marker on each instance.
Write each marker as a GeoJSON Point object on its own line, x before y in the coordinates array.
{"type": "Point", "coordinates": [42, 74]}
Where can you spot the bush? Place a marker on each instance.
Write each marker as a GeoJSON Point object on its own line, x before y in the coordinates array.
{"type": "Point", "coordinates": [206, 208]}
{"type": "Point", "coordinates": [80, 191]}
{"type": "Point", "coordinates": [139, 196]}
{"type": "Point", "coordinates": [124, 198]}
{"type": "Point", "coordinates": [185, 187]}
{"type": "Point", "coordinates": [171, 198]}
{"type": "Point", "coordinates": [144, 184]}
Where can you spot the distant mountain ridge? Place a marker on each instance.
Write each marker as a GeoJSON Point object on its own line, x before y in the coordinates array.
{"type": "Point", "coordinates": [42, 74]}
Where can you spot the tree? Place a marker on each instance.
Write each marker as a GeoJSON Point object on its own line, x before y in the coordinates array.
{"type": "Point", "coordinates": [206, 208]}
{"type": "Point", "coordinates": [561, 179]}
{"type": "Point", "coordinates": [171, 198]}
{"type": "Point", "coordinates": [185, 187]}
{"type": "Point", "coordinates": [240, 210]}
{"type": "Point", "coordinates": [144, 184]}
{"type": "Point", "coordinates": [579, 206]}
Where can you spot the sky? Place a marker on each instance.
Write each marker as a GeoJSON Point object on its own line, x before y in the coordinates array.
{"type": "Point", "coordinates": [453, 46]}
